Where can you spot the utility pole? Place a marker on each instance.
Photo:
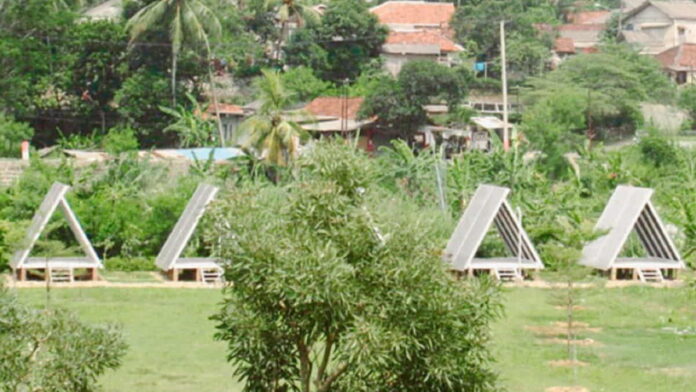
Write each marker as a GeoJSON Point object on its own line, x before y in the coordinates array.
{"type": "Point", "coordinates": [506, 136]}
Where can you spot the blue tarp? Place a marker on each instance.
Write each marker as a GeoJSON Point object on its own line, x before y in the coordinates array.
{"type": "Point", "coordinates": [203, 154]}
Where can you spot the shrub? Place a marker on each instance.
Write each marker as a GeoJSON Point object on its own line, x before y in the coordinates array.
{"type": "Point", "coordinates": [130, 264]}
{"type": "Point", "coordinates": [657, 150]}
{"type": "Point", "coordinates": [50, 350]}
{"type": "Point", "coordinates": [12, 133]}
{"type": "Point", "coordinates": [120, 140]}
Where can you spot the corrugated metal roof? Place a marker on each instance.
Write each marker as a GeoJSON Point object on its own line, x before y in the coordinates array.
{"type": "Point", "coordinates": [489, 206]}
{"type": "Point", "coordinates": [54, 199]}
{"type": "Point", "coordinates": [630, 208]}
{"type": "Point", "coordinates": [170, 253]}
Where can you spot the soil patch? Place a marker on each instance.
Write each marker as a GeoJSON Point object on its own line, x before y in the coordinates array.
{"type": "Point", "coordinates": [578, 326]}
{"type": "Point", "coordinates": [566, 389]}
{"type": "Point", "coordinates": [560, 328]}
{"type": "Point", "coordinates": [567, 363]}
{"type": "Point", "coordinates": [577, 342]}
{"type": "Point", "coordinates": [575, 307]}
{"type": "Point", "coordinates": [674, 371]}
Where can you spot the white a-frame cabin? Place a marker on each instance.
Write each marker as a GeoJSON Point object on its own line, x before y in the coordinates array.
{"type": "Point", "coordinates": [629, 208]}
{"type": "Point", "coordinates": [489, 206]}
{"type": "Point", "coordinates": [169, 260]}
{"type": "Point", "coordinates": [55, 269]}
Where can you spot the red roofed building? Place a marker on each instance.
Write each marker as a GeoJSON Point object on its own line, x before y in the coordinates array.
{"type": "Point", "coordinates": [414, 14]}
{"type": "Point", "coordinates": [230, 117]}
{"type": "Point", "coordinates": [680, 63]}
{"type": "Point", "coordinates": [581, 35]}
{"type": "Point", "coordinates": [335, 107]}
{"type": "Point", "coordinates": [339, 116]}
{"type": "Point", "coordinates": [594, 17]}
{"type": "Point", "coordinates": [564, 46]}
{"type": "Point", "coordinates": [418, 31]}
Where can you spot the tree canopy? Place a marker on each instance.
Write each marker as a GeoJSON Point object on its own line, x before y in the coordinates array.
{"type": "Point", "coordinates": [49, 350]}
{"type": "Point", "coordinates": [398, 102]}
{"type": "Point", "coordinates": [341, 44]}
{"type": "Point", "coordinates": [334, 287]}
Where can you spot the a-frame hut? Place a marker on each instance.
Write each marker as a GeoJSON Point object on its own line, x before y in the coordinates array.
{"type": "Point", "coordinates": [203, 269]}
{"type": "Point", "coordinates": [489, 206]}
{"type": "Point", "coordinates": [55, 269]}
{"type": "Point", "coordinates": [629, 208]}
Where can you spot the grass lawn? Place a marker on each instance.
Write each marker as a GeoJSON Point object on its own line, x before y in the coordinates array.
{"type": "Point", "coordinates": [647, 340]}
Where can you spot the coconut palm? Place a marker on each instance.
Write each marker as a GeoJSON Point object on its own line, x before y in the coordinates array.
{"type": "Point", "coordinates": [190, 22]}
{"type": "Point", "coordinates": [269, 131]}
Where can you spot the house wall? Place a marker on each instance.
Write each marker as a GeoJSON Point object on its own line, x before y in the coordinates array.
{"type": "Point", "coordinates": [229, 126]}
{"type": "Point", "coordinates": [582, 38]}
{"type": "Point", "coordinates": [690, 77]}
{"type": "Point", "coordinates": [669, 35]}
{"type": "Point", "coordinates": [393, 61]}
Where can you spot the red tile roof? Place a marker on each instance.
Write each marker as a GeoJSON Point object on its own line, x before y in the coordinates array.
{"type": "Point", "coordinates": [226, 108]}
{"type": "Point", "coordinates": [413, 12]}
{"type": "Point", "coordinates": [332, 106]}
{"type": "Point", "coordinates": [424, 37]}
{"type": "Point", "coordinates": [682, 56]}
{"type": "Point", "coordinates": [564, 45]}
{"type": "Point", "coordinates": [584, 17]}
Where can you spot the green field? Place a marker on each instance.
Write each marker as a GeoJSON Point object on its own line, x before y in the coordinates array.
{"type": "Point", "coordinates": [647, 340]}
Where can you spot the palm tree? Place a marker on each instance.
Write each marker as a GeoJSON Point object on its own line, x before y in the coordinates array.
{"type": "Point", "coordinates": [191, 126]}
{"type": "Point", "coordinates": [269, 131]}
{"type": "Point", "coordinates": [190, 22]}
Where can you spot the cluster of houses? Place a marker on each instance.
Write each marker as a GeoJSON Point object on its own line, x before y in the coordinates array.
{"type": "Point", "coordinates": [665, 30]}
{"type": "Point", "coordinates": [420, 30]}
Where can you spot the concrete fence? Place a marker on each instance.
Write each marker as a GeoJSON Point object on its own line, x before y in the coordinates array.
{"type": "Point", "coordinates": [11, 170]}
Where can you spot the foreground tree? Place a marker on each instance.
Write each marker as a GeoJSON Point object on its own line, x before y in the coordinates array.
{"type": "Point", "coordinates": [335, 288]}
{"type": "Point", "coordinates": [49, 350]}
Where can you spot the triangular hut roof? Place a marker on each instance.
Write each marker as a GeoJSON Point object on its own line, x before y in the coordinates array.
{"type": "Point", "coordinates": [630, 208]}
{"type": "Point", "coordinates": [489, 206]}
{"type": "Point", "coordinates": [169, 255]}
{"type": "Point", "coordinates": [55, 198]}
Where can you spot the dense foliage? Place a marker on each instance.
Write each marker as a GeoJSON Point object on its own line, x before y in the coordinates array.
{"type": "Point", "coordinates": [613, 82]}
{"type": "Point", "coordinates": [341, 44]}
{"type": "Point", "coordinates": [126, 206]}
{"type": "Point", "coordinates": [397, 103]}
{"type": "Point", "coordinates": [49, 350]}
{"type": "Point", "coordinates": [336, 285]}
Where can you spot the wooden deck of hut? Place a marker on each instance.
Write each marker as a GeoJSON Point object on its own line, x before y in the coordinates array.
{"type": "Point", "coordinates": [628, 209]}
{"type": "Point", "coordinates": [55, 269]}
{"type": "Point", "coordinates": [169, 260]}
{"type": "Point", "coordinates": [489, 206]}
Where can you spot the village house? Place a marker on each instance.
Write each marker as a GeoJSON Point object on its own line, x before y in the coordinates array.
{"type": "Point", "coordinates": [679, 63]}
{"type": "Point", "coordinates": [417, 31]}
{"type": "Point", "coordinates": [655, 26]}
{"type": "Point", "coordinates": [582, 34]}
{"type": "Point", "coordinates": [230, 117]}
{"type": "Point", "coordinates": [338, 116]}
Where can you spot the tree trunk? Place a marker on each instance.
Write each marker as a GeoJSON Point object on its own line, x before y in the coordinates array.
{"type": "Point", "coordinates": [102, 115]}
{"type": "Point", "coordinates": [215, 105]}
{"type": "Point", "coordinates": [174, 55]}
